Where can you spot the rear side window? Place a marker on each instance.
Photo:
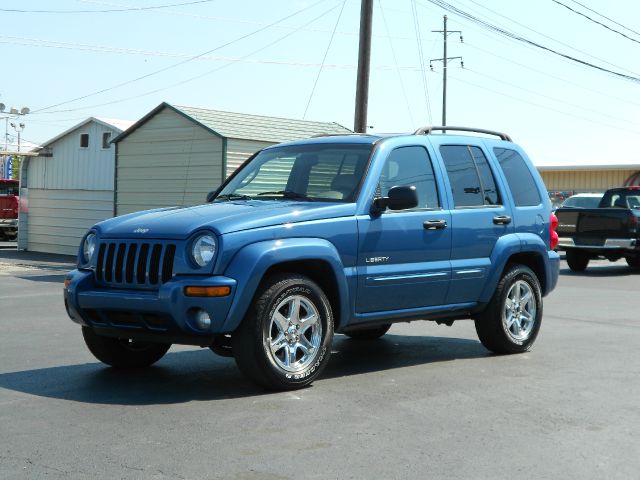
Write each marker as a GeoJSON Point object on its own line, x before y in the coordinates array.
{"type": "Point", "coordinates": [521, 183]}
{"type": "Point", "coordinates": [472, 182]}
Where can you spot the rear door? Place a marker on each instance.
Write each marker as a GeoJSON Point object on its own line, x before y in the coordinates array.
{"type": "Point", "coordinates": [403, 256]}
{"type": "Point", "coordinates": [479, 217]}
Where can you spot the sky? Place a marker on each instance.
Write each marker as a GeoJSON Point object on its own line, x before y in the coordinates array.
{"type": "Point", "coordinates": [561, 77]}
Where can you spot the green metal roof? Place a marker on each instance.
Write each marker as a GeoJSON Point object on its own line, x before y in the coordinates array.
{"type": "Point", "coordinates": [257, 127]}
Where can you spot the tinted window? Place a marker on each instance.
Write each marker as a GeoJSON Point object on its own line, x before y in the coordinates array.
{"type": "Point", "coordinates": [521, 183]}
{"type": "Point", "coordinates": [471, 179]}
{"type": "Point", "coordinates": [410, 166]}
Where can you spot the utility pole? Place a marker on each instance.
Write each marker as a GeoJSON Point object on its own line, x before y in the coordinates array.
{"type": "Point", "coordinates": [364, 59]}
{"type": "Point", "coordinates": [445, 61]}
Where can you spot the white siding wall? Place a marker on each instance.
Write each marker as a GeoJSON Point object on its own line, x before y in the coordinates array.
{"type": "Point", "coordinates": [75, 168]}
{"type": "Point", "coordinates": [167, 161]}
{"type": "Point", "coordinates": [59, 218]}
{"type": "Point", "coordinates": [239, 150]}
{"type": "Point", "coordinates": [70, 191]}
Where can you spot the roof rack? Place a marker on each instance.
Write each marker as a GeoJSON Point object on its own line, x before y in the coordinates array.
{"type": "Point", "coordinates": [429, 131]}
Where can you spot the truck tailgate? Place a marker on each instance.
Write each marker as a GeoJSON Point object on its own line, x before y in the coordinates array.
{"type": "Point", "coordinates": [593, 226]}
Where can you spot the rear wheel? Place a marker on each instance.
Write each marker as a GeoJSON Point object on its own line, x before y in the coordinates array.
{"type": "Point", "coordinates": [123, 352]}
{"type": "Point", "coordinates": [369, 333]}
{"type": "Point", "coordinates": [284, 342]}
{"type": "Point", "coordinates": [577, 260]}
{"type": "Point", "coordinates": [512, 319]}
{"type": "Point", "coordinates": [633, 262]}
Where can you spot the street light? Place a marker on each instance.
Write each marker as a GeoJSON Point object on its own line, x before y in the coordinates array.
{"type": "Point", "coordinates": [19, 129]}
{"type": "Point", "coordinates": [13, 112]}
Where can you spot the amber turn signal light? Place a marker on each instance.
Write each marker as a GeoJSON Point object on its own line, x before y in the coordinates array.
{"type": "Point", "coordinates": [207, 291]}
{"type": "Point", "coordinates": [67, 282]}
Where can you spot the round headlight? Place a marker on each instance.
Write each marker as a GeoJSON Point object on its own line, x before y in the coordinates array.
{"type": "Point", "coordinates": [88, 247]}
{"type": "Point", "coordinates": [204, 249]}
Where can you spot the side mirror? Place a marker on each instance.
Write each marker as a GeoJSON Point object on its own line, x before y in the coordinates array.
{"type": "Point", "coordinates": [399, 198]}
{"type": "Point", "coordinates": [210, 195]}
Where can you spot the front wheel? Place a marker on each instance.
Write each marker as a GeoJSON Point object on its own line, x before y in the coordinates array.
{"type": "Point", "coordinates": [284, 342]}
{"type": "Point", "coordinates": [123, 352]}
{"type": "Point", "coordinates": [512, 319]}
{"type": "Point", "coordinates": [577, 261]}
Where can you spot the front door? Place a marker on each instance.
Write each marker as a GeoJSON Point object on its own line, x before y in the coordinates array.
{"type": "Point", "coordinates": [403, 256]}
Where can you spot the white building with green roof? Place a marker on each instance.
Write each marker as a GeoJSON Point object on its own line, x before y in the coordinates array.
{"type": "Point", "coordinates": [175, 155]}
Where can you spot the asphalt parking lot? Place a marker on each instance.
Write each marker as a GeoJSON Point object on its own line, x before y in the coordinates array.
{"type": "Point", "coordinates": [425, 401]}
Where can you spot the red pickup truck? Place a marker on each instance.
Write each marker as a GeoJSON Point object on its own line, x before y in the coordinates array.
{"type": "Point", "coordinates": [9, 205]}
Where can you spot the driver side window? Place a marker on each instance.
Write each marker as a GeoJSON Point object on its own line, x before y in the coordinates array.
{"type": "Point", "coordinates": [406, 166]}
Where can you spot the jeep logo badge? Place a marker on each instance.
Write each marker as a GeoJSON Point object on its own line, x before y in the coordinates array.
{"type": "Point", "coordinates": [141, 230]}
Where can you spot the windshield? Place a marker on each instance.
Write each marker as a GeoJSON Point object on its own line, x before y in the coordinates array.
{"type": "Point", "coordinates": [321, 172]}
{"type": "Point", "coordinates": [582, 202]}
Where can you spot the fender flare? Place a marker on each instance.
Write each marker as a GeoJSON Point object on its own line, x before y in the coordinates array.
{"type": "Point", "coordinates": [505, 248]}
{"type": "Point", "coordinates": [249, 265]}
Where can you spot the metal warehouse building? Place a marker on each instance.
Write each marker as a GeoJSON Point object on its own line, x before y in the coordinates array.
{"type": "Point", "coordinates": [68, 186]}
{"type": "Point", "coordinates": [175, 155]}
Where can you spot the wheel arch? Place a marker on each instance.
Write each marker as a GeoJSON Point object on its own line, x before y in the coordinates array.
{"type": "Point", "coordinates": [315, 258]}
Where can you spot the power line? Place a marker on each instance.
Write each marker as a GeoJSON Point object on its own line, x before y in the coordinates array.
{"type": "Point", "coordinates": [596, 21]}
{"type": "Point", "coordinates": [545, 108]}
{"type": "Point", "coordinates": [605, 17]}
{"type": "Point", "coordinates": [450, 8]}
{"type": "Point", "coordinates": [128, 82]}
{"type": "Point", "coordinates": [111, 10]}
{"type": "Point", "coordinates": [304, 115]}
{"type": "Point", "coordinates": [209, 72]}
{"type": "Point", "coordinates": [395, 61]}
{"type": "Point", "coordinates": [572, 47]}
{"type": "Point", "coordinates": [416, 24]}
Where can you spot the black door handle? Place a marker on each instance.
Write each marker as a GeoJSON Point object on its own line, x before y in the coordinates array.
{"type": "Point", "coordinates": [435, 224]}
{"type": "Point", "coordinates": [502, 220]}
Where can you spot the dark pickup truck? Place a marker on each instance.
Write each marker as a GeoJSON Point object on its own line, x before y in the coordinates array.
{"type": "Point", "coordinates": [611, 231]}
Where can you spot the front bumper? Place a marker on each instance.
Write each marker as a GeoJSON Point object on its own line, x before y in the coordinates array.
{"type": "Point", "coordinates": [10, 224]}
{"type": "Point", "coordinates": [166, 315]}
{"type": "Point", "coordinates": [605, 244]}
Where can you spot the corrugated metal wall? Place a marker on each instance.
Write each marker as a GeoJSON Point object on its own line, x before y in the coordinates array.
{"type": "Point", "coordinates": [69, 192]}
{"type": "Point", "coordinates": [239, 150]}
{"type": "Point", "coordinates": [584, 180]}
{"type": "Point", "coordinates": [167, 161]}
{"type": "Point", "coordinates": [59, 218]}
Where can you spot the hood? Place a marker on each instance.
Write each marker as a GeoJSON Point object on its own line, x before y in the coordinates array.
{"type": "Point", "coordinates": [223, 217]}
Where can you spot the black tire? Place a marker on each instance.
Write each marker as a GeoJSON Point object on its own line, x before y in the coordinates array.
{"type": "Point", "coordinates": [122, 352]}
{"type": "Point", "coordinates": [274, 363]}
{"type": "Point", "coordinates": [369, 333]}
{"type": "Point", "coordinates": [222, 346]}
{"type": "Point", "coordinates": [577, 261]}
{"type": "Point", "coordinates": [633, 262]}
{"type": "Point", "coordinates": [493, 325]}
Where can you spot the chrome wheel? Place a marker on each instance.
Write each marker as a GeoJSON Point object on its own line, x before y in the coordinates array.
{"type": "Point", "coordinates": [519, 312]}
{"type": "Point", "coordinates": [295, 333]}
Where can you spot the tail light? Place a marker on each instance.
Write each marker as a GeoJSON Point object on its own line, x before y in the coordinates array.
{"type": "Point", "coordinates": [553, 234]}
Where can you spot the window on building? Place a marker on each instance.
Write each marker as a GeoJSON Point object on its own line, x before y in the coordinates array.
{"type": "Point", "coordinates": [410, 166]}
{"type": "Point", "coordinates": [521, 183]}
{"type": "Point", "coordinates": [106, 139]}
{"type": "Point", "coordinates": [472, 181]}
{"type": "Point", "coordinates": [84, 140]}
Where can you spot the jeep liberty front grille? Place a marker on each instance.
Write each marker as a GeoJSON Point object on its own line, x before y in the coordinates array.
{"type": "Point", "coordinates": [131, 264]}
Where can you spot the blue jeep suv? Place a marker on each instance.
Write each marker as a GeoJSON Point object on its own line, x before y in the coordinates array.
{"type": "Point", "coordinates": [336, 234]}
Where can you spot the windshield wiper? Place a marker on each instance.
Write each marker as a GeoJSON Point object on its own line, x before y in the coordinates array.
{"type": "Point", "coordinates": [289, 194]}
{"type": "Point", "coordinates": [232, 196]}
